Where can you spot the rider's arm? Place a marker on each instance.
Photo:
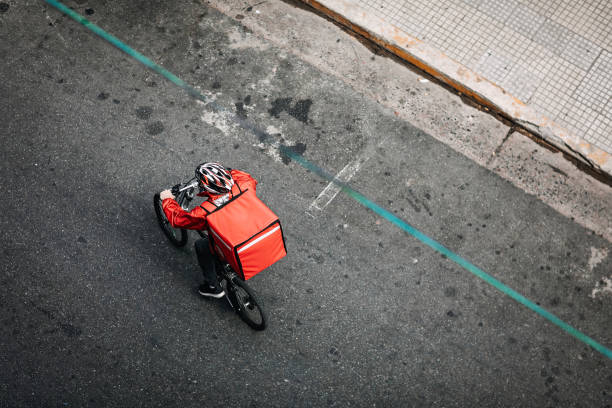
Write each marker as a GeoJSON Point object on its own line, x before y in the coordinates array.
{"type": "Point", "coordinates": [179, 218]}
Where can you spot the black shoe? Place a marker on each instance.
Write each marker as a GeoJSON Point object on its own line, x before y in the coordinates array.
{"type": "Point", "coordinates": [211, 291]}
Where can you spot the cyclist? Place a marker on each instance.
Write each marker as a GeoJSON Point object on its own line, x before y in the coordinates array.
{"type": "Point", "coordinates": [215, 182]}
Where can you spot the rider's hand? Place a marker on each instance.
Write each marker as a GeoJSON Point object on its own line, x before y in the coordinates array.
{"type": "Point", "coordinates": [165, 194]}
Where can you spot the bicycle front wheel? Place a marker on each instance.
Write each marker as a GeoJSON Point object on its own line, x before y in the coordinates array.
{"type": "Point", "coordinates": [246, 304]}
{"type": "Point", "coordinates": [177, 236]}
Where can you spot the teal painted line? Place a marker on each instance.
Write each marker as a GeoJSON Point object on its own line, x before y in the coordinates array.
{"type": "Point", "coordinates": [127, 49]}
{"type": "Point", "coordinates": [435, 245]}
{"type": "Point", "coordinates": [360, 198]}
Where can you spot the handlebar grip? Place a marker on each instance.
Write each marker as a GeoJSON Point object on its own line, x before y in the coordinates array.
{"type": "Point", "coordinates": [175, 189]}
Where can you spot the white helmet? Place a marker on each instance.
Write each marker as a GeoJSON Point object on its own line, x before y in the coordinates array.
{"type": "Point", "coordinates": [214, 178]}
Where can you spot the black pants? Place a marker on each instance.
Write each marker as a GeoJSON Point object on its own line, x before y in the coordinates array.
{"type": "Point", "coordinates": [207, 261]}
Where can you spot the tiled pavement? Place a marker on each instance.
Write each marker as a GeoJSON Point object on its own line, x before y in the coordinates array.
{"type": "Point", "coordinates": [554, 55]}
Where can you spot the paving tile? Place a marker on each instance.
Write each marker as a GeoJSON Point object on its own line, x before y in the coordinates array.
{"type": "Point", "coordinates": [600, 132]}
{"type": "Point", "coordinates": [577, 117]}
{"type": "Point", "coordinates": [545, 8]}
{"type": "Point", "coordinates": [520, 82]}
{"type": "Point", "coordinates": [414, 17]}
{"type": "Point", "coordinates": [440, 32]}
{"type": "Point", "coordinates": [472, 36]}
{"type": "Point", "coordinates": [540, 101]}
{"type": "Point", "coordinates": [499, 10]}
{"type": "Point", "coordinates": [471, 3]}
{"type": "Point", "coordinates": [525, 21]}
{"type": "Point", "coordinates": [580, 51]}
{"type": "Point", "coordinates": [541, 60]}
{"type": "Point", "coordinates": [512, 45]}
{"type": "Point", "coordinates": [591, 19]}
{"type": "Point", "coordinates": [553, 36]}
{"type": "Point", "coordinates": [596, 88]}
{"type": "Point", "coordinates": [494, 66]}
{"type": "Point", "coordinates": [556, 88]}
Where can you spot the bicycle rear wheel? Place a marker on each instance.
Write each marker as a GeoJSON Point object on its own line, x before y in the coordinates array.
{"type": "Point", "coordinates": [247, 305]}
{"type": "Point", "coordinates": [177, 236]}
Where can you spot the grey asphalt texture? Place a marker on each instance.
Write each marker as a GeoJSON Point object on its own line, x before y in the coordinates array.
{"type": "Point", "coordinates": [99, 310]}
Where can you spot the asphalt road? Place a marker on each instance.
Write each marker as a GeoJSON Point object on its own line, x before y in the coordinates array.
{"type": "Point", "coordinates": [99, 310]}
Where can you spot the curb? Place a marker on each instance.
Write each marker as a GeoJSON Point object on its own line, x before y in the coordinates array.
{"type": "Point", "coordinates": [464, 80]}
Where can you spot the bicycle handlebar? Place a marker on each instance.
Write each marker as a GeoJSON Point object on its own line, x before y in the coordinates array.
{"type": "Point", "coordinates": [179, 188]}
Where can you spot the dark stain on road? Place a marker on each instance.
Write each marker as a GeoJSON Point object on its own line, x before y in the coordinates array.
{"type": "Point", "coordinates": [102, 96]}
{"type": "Point", "coordinates": [144, 112]}
{"type": "Point", "coordinates": [546, 354]}
{"type": "Point", "coordinates": [70, 330]}
{"type": "Point", "coordinates": [247, 100]}
{"type": "Point", "coordinates": [89, 11]}
{"type": "Point", "coordinates": [298, 148]}
{"type": "Point", "coordinates": [334, 354]}
{"type": "Point", "coordinates": [4, 7]}
{"type": "Point", "coordinates": [300, 110]}
{"type": "Point", "coordinates": [240, 110]}
{"type": "Point", "coordinates": [155, 128]}
{"type": "Point", "coordinates": [154, 341]}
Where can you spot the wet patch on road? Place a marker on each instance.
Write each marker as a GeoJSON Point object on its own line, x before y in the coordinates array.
{"type": "Point", "coordinates": [300, 110]}
{"type": "Point", "coordinates": [240, 110]}
{"type": "Point", "coordinates": [144, 112]}
{"type": "Point", "coordinates": [155, 128]}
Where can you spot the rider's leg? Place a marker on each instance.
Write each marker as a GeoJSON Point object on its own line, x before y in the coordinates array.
{"type": "Point", "coordinates": [207, 262]}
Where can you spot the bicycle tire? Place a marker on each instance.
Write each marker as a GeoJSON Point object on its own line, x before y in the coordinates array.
{"type": "Point", "coordinates": [177, 236]}
{"type": "Point", "coordinates": [246, 304]}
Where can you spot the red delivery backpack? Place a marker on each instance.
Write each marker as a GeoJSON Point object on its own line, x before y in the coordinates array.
{"type": "Point", "coordinates": [245, 232]}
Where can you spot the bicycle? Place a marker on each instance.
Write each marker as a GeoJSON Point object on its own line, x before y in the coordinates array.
{"type": "Point", "coordinates": [240, 296]}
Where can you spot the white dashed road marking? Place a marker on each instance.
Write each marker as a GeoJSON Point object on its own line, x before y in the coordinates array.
{"type": "Point", "coordinates": [332, 189]}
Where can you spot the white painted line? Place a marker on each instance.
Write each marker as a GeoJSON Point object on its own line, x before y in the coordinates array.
{"type": "Point", "coordinates": [332, 189]}
{"type": "Point", "coordinates": [266, 235]}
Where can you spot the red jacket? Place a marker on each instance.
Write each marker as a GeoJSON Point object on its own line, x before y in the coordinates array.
{"type": "Point", "coordinates": [196, 218]}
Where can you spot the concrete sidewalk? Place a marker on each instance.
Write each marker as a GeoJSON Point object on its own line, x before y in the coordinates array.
{"type": "Point", "coordinates": [547, 66]}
